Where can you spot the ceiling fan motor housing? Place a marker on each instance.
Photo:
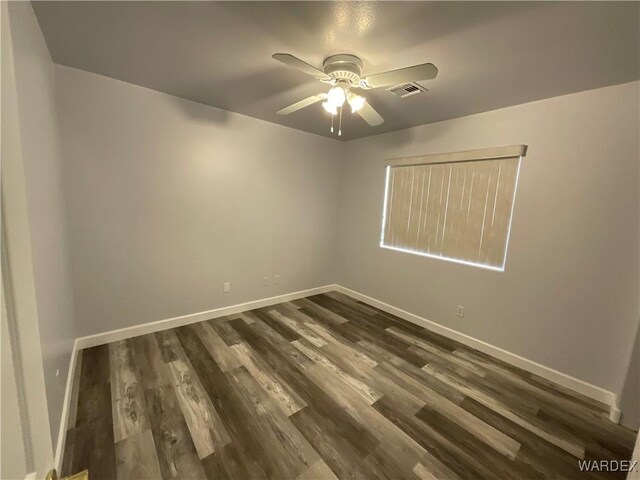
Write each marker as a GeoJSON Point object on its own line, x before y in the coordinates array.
{"type": "Point", "coordinates": [343, 67]}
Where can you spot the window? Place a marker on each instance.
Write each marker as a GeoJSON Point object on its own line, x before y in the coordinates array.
{"type": "Point", "coordinates": [454, 206]}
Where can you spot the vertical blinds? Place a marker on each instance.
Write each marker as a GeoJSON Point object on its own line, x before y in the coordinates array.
{"type": "Point", "coordinates": [455, 206]}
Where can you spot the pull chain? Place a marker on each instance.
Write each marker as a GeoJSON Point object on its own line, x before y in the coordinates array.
{"type": "Point", "coordinates": [340, 124]}
{"type": "Point", "coordinates": [332, 123]}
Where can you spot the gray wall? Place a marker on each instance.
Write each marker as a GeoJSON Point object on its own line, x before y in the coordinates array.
{"type": "Point", "coordinates": [167, 199]}
{"type": "Point", "coordinates": [569, 296]}
{"type": "Point", "coordinates": [13, 457]}
{"type": "Point", "coordinates": [630, 397]}
{"type": "Point", "coordinates": [35, 91]}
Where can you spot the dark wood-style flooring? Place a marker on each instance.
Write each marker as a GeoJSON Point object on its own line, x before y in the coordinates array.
{"type": "Point", "coordinates": [319, 388]}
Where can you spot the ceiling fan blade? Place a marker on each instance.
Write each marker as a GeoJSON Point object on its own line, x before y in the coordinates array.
{"type": "Point", "coordinates": [294, 62]}
{"type": "Point", "coordinates": [425, 71]}
{"type": "Point", "coordinates": [301, 104]}
{"type": "Point", "coordinates": [369, 115]}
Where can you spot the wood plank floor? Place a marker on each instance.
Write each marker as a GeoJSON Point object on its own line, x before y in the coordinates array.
{"type": "Point", "coordinates": [319, 388]}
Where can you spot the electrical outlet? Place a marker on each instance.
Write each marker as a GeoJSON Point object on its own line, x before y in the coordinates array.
{"type": "Point", "coordinates": [265, 281]}
{"type": "Point", "coordinates": [276, 279]}
{"type": "Point", "coordinates": [460, 312]}
{"type": "Point", "coordinates": [226, 287]}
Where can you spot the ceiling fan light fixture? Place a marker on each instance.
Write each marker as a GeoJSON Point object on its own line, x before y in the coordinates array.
{"type": "Point", "coordinates": [330, 107]}
{"type": "Point", "coordinates": [337, 96]}
{"type": "Point", "coordinates": [356, 102]}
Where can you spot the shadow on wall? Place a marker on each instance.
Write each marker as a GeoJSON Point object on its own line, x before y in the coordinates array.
{"type": "Point", "coordinates": [200, 112]}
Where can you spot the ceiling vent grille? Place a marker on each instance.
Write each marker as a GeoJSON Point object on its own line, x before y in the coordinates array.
{"type": "Point", "coordinates": [406, 89]}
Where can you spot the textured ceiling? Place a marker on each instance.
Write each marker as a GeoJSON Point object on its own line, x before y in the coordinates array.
{"type": "Point", "coordinates": [489, 54]}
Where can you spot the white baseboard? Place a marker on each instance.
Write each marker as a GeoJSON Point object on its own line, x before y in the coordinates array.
{"type": "Point", "coordinates": [575, 384]}
{"type": "Point", "coordinates": [615, 413]}
{"type": "Point", "coordinates": [129, 332]}
{"type": "Point", "coordinates": [66, 405]}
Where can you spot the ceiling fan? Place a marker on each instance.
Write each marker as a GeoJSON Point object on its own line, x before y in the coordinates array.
{"type": "Point", "coordinates": [344, 73]}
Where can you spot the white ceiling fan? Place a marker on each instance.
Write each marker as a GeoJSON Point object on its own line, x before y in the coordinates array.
{"type": "Point", "coordinates": [344, 73]}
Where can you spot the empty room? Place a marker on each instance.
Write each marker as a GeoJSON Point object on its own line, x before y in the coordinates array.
{"type": "Point", "coordinates": [320, 240]}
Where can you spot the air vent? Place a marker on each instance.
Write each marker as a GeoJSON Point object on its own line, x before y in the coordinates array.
{"type": "Point", "coordinates": [406, 89]}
